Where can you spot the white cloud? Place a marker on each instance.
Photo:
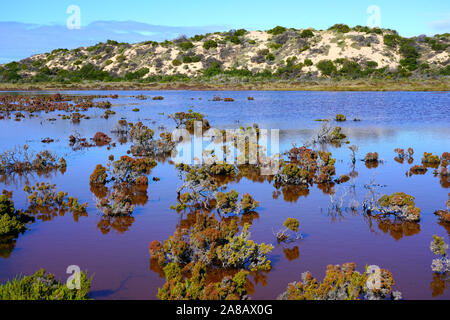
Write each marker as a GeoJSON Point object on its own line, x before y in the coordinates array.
{"type": "Point", "coordinates": [21, 40]}
{"type": "Point", "coordinates": [441, 25]}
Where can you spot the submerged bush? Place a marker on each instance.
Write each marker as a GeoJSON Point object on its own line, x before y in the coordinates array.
{"type": "Point", "coordinates": [440, 265]}
{"type": "Point", "coordinates": [290, 233]}
{"type": "Point", "coordinates": [196, 287]}
{"type": "Point", "coordinates": [46, 199]}
{"type": "Point", "coordinates": [430, 159]}
{"type": "Point", "coordinates": [341, 283]}
{"type": "Point", "coordinates": [400, 204]}
{"type": "Point", "coordinates": [214, 242]}
{"type": "Point", "coordinates": [187, 120]}
{"type": "Point", "coordinates": [20, 160]}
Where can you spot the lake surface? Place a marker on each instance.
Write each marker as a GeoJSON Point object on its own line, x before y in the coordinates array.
{"type": "Point", "coordinates": [119, 257]}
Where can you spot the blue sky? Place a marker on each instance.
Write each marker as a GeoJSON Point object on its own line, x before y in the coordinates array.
{"type": "Point", "coordinates": [40, 25]}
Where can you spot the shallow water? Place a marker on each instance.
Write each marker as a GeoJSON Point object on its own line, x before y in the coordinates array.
{"type": "Point", "coordinates": [121, 260]}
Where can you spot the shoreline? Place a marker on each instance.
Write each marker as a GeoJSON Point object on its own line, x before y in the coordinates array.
{"type": "Point", "coordinates": [436, 85]}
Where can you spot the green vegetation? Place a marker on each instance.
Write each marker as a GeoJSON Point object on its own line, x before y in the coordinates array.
{"type": "Point", "coordinates": [209, 44]}
{"type": "Point", "coordinates": [89, 66]}
{"type": "Point", "coordinates": [43, 286]}
{"type": "Point", "coordinates": [340, 28]}
{"type": "Point", "coordinates": [277, 30]}
{"type": "Point", "coordinates": [326, 67]}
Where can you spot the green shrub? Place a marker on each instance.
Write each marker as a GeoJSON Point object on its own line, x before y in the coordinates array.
{"type": "Point", "coordinates": [189, 59]}
{"type": "Point", "coordinates": [391, 40]}
{"type": "Point", "coordinates": [42, 286]}
{"type": "Point", "coordinates": [277, 30]}
{"type": "Point", "coordinates": [186, 45]}
{"type": "Point", "coordinates": [270, 56]}
{"type": "Point", "coordinates": [308, 62]}
{"type": "Point", "coordinates": [445, 71]}
{"type": "Point", "coordinates": [213, 70]}
{"type": "Point", "coordinates": [326, 67]}
{"type": "Point", "coordinates": [121, 58]}
{"type": "Point", "coordinates": [198, 37]}
{"type": "Point", "coordinates": [371, 64]}
{"type": "Point", "coordinates": [137, 75]}
{"type": "Point", "coordinates": [209, 44]}
{"type": "Point", "coordinates": [340, 28]}
{"type": "Point", "coordinates": [240, 32]}
{"type": "Point", "coordinates": [176, 62]}
{"type": "Point", "coordinates": [234, 39]}
{"type": "Point", "coordinates": [275, 46]}
{"type": "Point", "coordinates": [307, 34]}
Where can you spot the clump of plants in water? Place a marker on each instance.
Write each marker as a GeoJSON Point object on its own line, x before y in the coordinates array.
{"type": "Point", "coordinates": [441, 264]}
{"type": "Point", "coordinates": [212, 245]}
{"type": "Point", "coordinates": [44, 199]}
{"type": "Point", "coordinates": [306, 166]}
{"type": "Point", "coordinates": [399, 204]}
{"type": "Point", "coordinates": [340, 118]}
{"type": "Point", "coordinates": [328, 134]}
{"type": "Point", "coordinates": [145, 145]}
{"type": "Point", "coordinates": [444, 215]}
{"type": "Point", "coordinates": [290, 232]}
{"type": "Point", "coordinates": [203, 182]}
{"type": "Point", "coordinates": [342, 283]}
{"type": "Point", "coordinates": [217, 243]}
{"type": "Point", "coordinates": [20, 160]}
{"type": "Point", "coordinates": [431, 160]}
{"type": "Point", "coordinates": [196, 286]}
{"type": "Point", "coordinates": [227, 203]}
{"type": "Point", "coordinates": [417, 170]}
{"type": "Point", "coordinates": [402, 155]}
{"type": "Point", "coordinates": [371, 157]}
{"type": "Point", "coordinates": [44, 286]}
{"type": "Point", "coordinates": [126, 170]}
{"type": "Point", "coordinates": [101, 139]}
{"type": "Point", "coordinates": [129, 175]}
{"type": "Point", "coordinates": [187, 119]}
